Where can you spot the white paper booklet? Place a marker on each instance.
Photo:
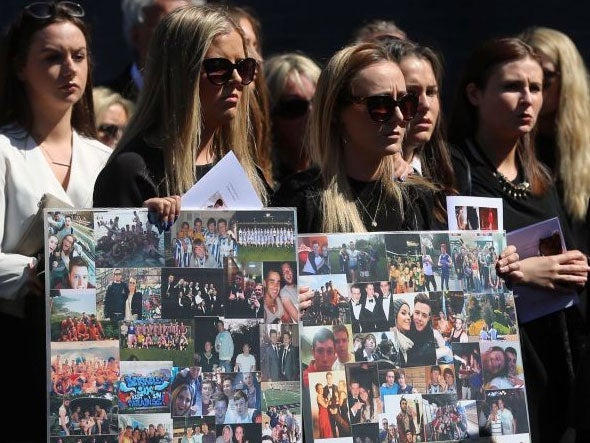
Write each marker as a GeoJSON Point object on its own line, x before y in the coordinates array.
{"type": "Point", "coordinates": [226, 185]}
{"type": "Point", "coordinates": [475, 213]}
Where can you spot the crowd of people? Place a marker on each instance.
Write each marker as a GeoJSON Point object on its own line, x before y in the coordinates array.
{"type": "Point", "coordinates": [375, 158]}
{"type": "Point", "coordinates": [134, 244]}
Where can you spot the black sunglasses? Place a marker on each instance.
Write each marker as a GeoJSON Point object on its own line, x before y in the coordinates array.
{"type": "Point", "coordinates": [382, 107]}
{"type": "Point", "coordinates": [110, 130]}
{"type": "Point", "coordinates": [220, 70]}
{"type": "Point", "coordinates": [45, 10]}
{"type": "Point", "coordinates": [291, 108]}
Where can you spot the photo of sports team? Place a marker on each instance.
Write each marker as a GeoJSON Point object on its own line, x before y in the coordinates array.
{"type": "Point", "coordinates": [171, 333]}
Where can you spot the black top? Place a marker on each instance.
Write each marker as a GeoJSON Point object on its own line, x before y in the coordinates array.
{"type": "Point", "coordinates": [302, 190]}
{"type": "Point", "coordinates": [518, 212]}
{"type": "Point", "coordinates": [135, 174]}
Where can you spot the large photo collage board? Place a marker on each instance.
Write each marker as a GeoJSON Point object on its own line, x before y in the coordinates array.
{"type": "Point", "coordinates": [411, 337]}
{"type": "Point", "coordinates": [184, 335]}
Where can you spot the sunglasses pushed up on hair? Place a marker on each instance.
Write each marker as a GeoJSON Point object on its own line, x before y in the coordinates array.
{"type": "Point", "coordinates": [45, 10]}
{"type": "Point", "coordinates": [220, 70]}
{"type": "Point", "coordinates": [381, 108]}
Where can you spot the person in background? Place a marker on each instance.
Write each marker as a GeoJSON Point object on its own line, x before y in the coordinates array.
{"type": "Point", "coordinates": [561, 143]}
{"type": "Point", "coordinates": [194, 112]}
{"type": "Point", "coordinates": [112, 112]}
{"type": "Point", "coordinates": [291, 79]}
{"type": "Point", "coordinates": [140, 18]}
{"type": "Point", "coordinates": [47, 145]}
{"type": "Point", "coordinates": [378, 30]}
{"type": "Point", "coordinates": [360, 113]}
{"type": "Point", "coordinates": [259, 137]}
{"type": "Point", "coordinates": [499, 98]}
{"type": "Point", "coordinates": [425, 146]}
{"type": "Point", "coordinates": [562, 134]}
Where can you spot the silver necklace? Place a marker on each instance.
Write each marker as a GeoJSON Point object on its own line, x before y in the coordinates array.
{"type": "Point", "coordinates": [374, 217]}
{"type": "Point", "coordinates": [67, 165]}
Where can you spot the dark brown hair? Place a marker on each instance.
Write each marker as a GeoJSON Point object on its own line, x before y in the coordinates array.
{"type": "Point", "coordinates": [16, 43]}
{"type": "Point", "coordinates": [465, 118]}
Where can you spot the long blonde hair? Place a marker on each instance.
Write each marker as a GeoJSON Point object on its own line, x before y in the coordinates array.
{"type": "Point", "coordinates": [572, 128]}
{"type": "Point", "coordinates": [340, 213]}
{"type": "Point", "coordinates": [168, 112]}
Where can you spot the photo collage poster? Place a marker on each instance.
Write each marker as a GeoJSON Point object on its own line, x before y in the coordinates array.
{"type": "Point", "coordinates": [189, 334]}
{"type": "Point", "coordinates": [410, 337]}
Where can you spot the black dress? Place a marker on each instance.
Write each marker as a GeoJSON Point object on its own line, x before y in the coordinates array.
{"type": "Point", "coordinates": [548, 357]}
{"type": "Point", "coordinates": [302, 191]}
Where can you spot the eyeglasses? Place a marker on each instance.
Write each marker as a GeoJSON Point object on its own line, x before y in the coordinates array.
{"type": "Point", "coordinates": [45, 10]}
{"type": "Point", "coordinates": [111, 130]}
{"type": "Point", "coordinates": [220, 70]}
{"type": "Point", "coordinates": [382, 107]}
{"type": "Point", "coordinates": [291, 108]}
{"type": "Point", "coordinates": [548, 77]}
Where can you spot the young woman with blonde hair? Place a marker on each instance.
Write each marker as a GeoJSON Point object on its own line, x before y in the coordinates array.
{"type": "Point", "coordinates": [357, 124]}
{"type": "Point", "coordinates": [562, 143]}
{"type": "Point", "coordinates": [192, 111]}
{"type": "Point", "coordinates": [563, 133]}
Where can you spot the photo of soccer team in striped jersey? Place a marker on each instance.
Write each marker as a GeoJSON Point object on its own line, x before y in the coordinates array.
{"type": "Point", "coordinates": [172, 333]}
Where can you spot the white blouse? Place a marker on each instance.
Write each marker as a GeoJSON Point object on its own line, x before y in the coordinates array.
{"type": "Point", "coordinates": [25, 175]}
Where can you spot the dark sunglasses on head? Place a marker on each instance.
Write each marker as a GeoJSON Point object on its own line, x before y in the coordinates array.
{"type": "Point", "coordinates": [291, 108]}
{"type": "Point", "coordinates": [382, 107]}
{"type": "Point", "coordinates": [110, 130]}
{"type": "Point", "coordinates": [219, 70]}
{"type": "Point", "coordinates": [45, 10]}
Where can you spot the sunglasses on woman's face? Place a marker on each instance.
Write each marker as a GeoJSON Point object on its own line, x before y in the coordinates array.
{"type": "Point", "coordinates": [110, 130]}
{"type": "Point", "coordinates": [381, 108]}
{"type": "Point", "coordinates": [45, 10]}
{"type": "Point", "coordinates": [291, 108]}
{"type": "Point", "coordinates": [219, 70]}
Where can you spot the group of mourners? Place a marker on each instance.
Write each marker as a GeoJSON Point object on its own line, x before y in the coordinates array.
{"type": "Point", "coordinates": [370, 152]}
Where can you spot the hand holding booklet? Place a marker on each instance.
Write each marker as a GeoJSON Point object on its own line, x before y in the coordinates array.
{"type": "Point", "coordinates": [543, 238]}
{"type": "Point", "coordinates": [226, 185]}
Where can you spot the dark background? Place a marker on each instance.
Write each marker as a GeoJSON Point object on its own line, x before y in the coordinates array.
{"type": "Point", "coordinates": [319, 27]}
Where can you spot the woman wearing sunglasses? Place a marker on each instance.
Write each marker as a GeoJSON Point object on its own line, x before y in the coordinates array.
{"type": "Point", "coordinates": [357, 124]}
{"type": "Point", "coordinates": [291, 80]}
{"type": "Point", "coordinates": [47, 145]}
{"type": "Point", "coordinates": [192, 110]}
{"type": "Point", "coordinates": [500, 96]}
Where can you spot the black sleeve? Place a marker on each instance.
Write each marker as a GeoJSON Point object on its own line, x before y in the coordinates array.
{"type": "Point", "coordinates": [462, 170]}
{"type": "Point", "coordinates": [124, 183]}
{"type": "Point", "coordinates": [302, 192]}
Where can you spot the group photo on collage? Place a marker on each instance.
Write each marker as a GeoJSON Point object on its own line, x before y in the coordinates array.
{"type": "Point", "coordinates": [346, 308]}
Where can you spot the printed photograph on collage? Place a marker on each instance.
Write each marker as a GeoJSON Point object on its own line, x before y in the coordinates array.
{"type": "Point", "coordinates": [410, 337]}
{"type": "Point", "coordinates": [187, 332]}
